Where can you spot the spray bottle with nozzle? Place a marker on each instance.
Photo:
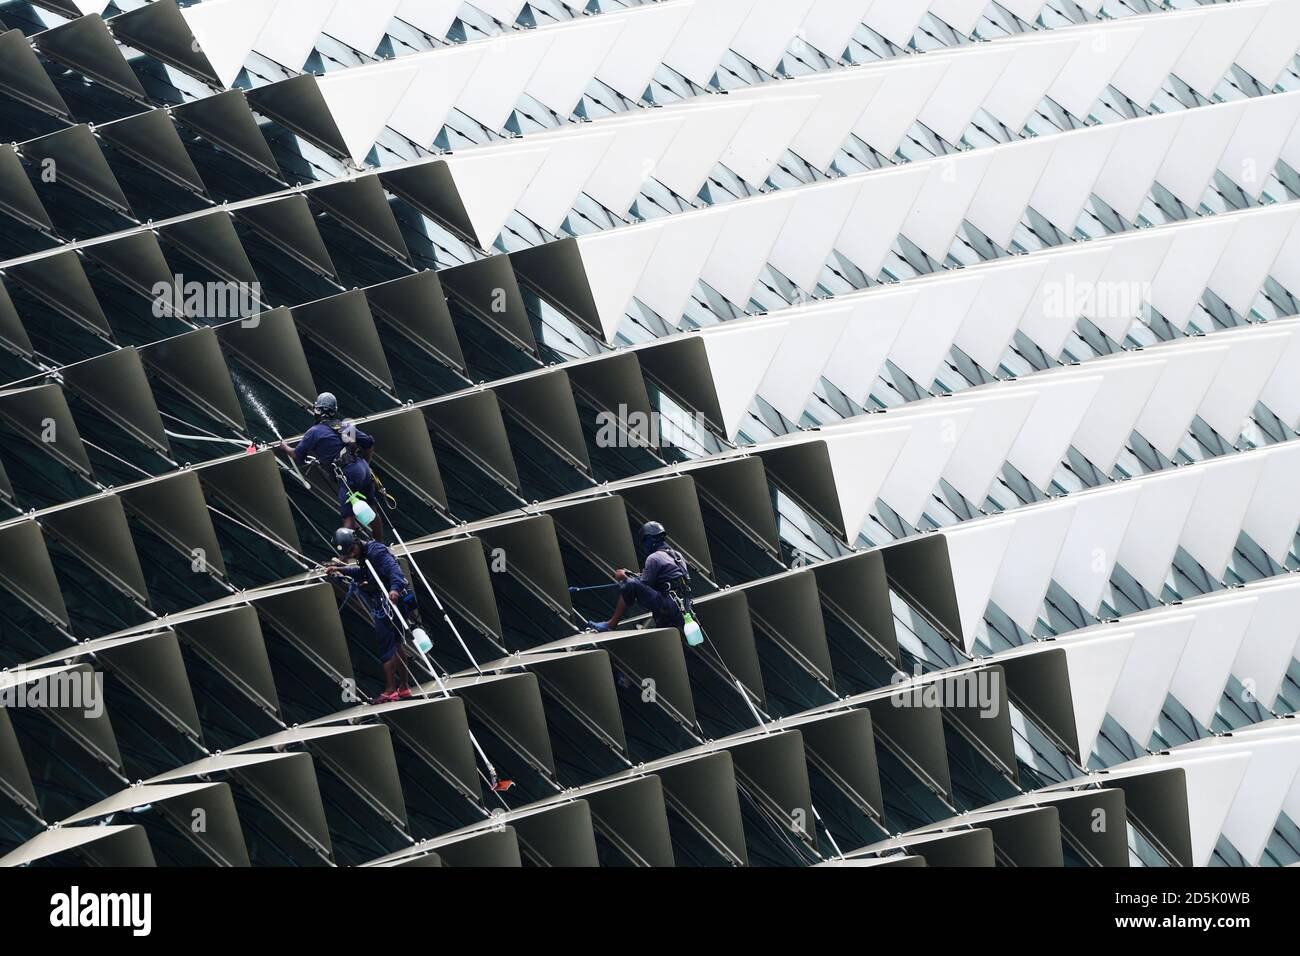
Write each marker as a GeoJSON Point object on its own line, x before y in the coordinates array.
{"type": "Point", "coordinates": [361, 510]}
{"type": "Point", "coordinates": [692, 630]}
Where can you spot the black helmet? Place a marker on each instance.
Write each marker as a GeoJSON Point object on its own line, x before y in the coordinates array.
{"type": "Point", "coordinates": [345, 539]}
{"type": "Point", "coordinates": [326, 405]}
{"type": "Point", "coordinates": [653, 535]}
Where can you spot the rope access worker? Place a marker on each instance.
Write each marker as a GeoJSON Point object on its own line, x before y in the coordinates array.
{"type": "Point", "coordinates": [383, 594]}
{"type": "Point", "coordinates": [663, 587]}
{"type": "Point", "coordinates": [344, 451]}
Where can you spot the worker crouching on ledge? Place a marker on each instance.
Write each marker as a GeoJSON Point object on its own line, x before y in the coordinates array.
{"type": "Point", "coordinates": [344, 451]}
{"type": "Point", "coordinates": [663, 587]}
{"type": "Point", "coordinates": [384, 588]}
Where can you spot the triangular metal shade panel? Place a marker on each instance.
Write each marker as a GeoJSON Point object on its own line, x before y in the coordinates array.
{"type": "Point", "coordinates": [60, 282]}
{"type": "Point", "coordinates": [404, 451]}
{"type": "Point", "coordinates": [308, 618]}
{"type": "Point", "coordinates": [703, 792]}
{"type": "Point", "coordinates": [954, 848]}
{"type": "Point", "coordinates": [269, 344]}
{"type": "Point", "coordinates": [153, 669]}
{"type": "Point", "coordinates": [96, 531]}
{"type": "Point", "coordinates": [512, 706]}
{"type": "Point", "coordinates": [473, 423]}
{"type": "Point", "coordinates": [921, 570]}
{"type": "Point", "coordinates": [1158, 802]}
{"type": "Point", "coordinates": [598, 528]}
{"type": "Point", "coordinates": [914, 734]}
{"type": "Point", "coordinates": [437, 731]}
{"type": "Point", "coordinates": [585, 680]}
{"type": "Point", "coordinates": [558, 836]}
{"type": "Point", "coordinates": [297, 104]}
{"type": "Point", "coordinates": [361, 755]}
{"type": "Point", "coordinates": [288, 224]}
{"type": "Point", "coordinates": [431, 188]}
{"type": "Point", "coordinates": [28, 410]}
{"type": "Point", "coordinates": [634, 816]}
{"type": "Point", "coordinates": [459, 571]}
{"type": "Point", "coordinates": [115, 846]}
{"type": "Point", "coordinates": [231, 641]}
{"type": "Point", "coordinates": [344, 327]}
{"type": "Point", "coordinates": [284, 783]}
{"type": "Point", "coordinates": [12, 331]}
{"type": "Point", "coordinates": [193, 364]}
{"type": "Point", "coordinates": [856, 591]}
{"type": "Point", "coordinates": [614, 385]}
{"type": "Point", "coordinates": [786, 608]}
{"type": "Point", "coordinates": [545, 403]}
{"type": "Point", "coordinates": [532, 555]}
{"type": "Point", "coordinates": [803, 470]}
{"type": "Point", "coordinates": [174, 508]}
{"type": "Point", "coordinates": [681, 368]}
{"type": "Point", "coordinates": [86, 45]}
{"type": "Point", "coordinates": [725, 618]}
{"type": "Point", "coordinates": [739, 489]}
{"type": "Point", "coordinates": [211, 241]}
{"type": "Point", "coordinates": [226, 120]}
{"type": "Point", "coordinates": [1040, 683]}
{"type": "Point", "coordinates": [493, 849]}
{"type": "Point", "coordinates": [17, 196]}
{"type": "Point", "coordinates": [75, 157]}
{"type": "Point", "coordinates": [26, 570]}
{"type": "Point", "coordinates": [160, 30]}
{"type": "Point", "coordinates": [137, 261]}
{"type": "Point", "coordinates": [222, 841]}
{"type": "Point", "coordinates": [151, 140]}
{"type": "Point", "coordinates": [556, 270]}
{"type": "Point", "coordinates": [241, 483]}
{"type": "Point", "coordinates": [362, 206]}
{"type": "Point", "coordinates": [416, 306]}
{"type": "Point", "coordinates": [651, 654]}
{"type": "Point", "coordinates": [23, 77]}
{"type": "Point", "coordinates": [91, 731]}
{"type": "Point", "coordinates": [843, 748]}
{"type": "Point", "coordinates": [489, 290]}
{"type": "Point", "coordinates": [1026, 837]}
{"type": "Point", "coordinates": [115, 384]}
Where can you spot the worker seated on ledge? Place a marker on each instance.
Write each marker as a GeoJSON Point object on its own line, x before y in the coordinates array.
{"type": "Point", "coordinates": [390, 590]}
{"type": "Point", "coordinates": [344, 451]}
{"type": "Point", "coordinates": [663, 587]}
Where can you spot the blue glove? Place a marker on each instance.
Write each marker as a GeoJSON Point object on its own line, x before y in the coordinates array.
{"type": "Point", "coordinates": [600, 627]}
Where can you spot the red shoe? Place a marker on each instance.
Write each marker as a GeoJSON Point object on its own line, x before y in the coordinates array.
{"type": "Point", "coordinates": [385, 698]}
{"type": "Point", "coordinates": [404, 694]}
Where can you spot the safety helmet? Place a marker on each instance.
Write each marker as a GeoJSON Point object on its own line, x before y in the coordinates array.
{"type": "Point", "coordinates": [326, 405]}
{"type": "Point", "coordinates": [653, 535]}
{"type": "Point", "coordinates": [345, 539]}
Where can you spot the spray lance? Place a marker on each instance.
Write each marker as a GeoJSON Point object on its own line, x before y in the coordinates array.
{"type": "Point", "coordinates": [691, 629]}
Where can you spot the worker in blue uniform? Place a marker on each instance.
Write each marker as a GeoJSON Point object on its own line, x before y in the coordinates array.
{"type": "Point", "coordinates": [344, 451]}
{"type": "Point", "coordinates": [663, 587]}
{"type": "Point", "coordinates": [375, 571]}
